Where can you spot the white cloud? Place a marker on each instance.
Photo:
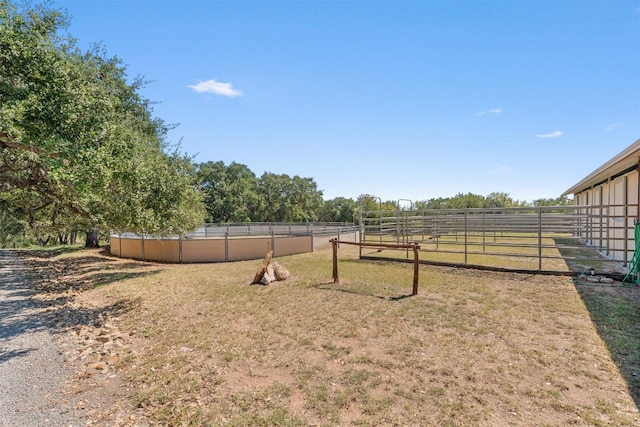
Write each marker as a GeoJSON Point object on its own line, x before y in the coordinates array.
{"type": "Point", "coordinates": [216, 87]}
{"type": "Point", "coordinates": [612, 126]}
{"type": "Point", "coordinates": [554, 134]}
{"type": "Point", "coordinates": [494, 111]}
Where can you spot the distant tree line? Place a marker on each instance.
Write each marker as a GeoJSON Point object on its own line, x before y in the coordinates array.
{"type": "Point", "coordinates": [234, 193]}
{"type": "Point", "coordinates": [492, 200]}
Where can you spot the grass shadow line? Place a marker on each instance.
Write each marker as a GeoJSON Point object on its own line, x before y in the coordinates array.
{"type": "Point", "coordinates": [328, 286]}
{"type": "Point", "coordinates": [615, 313]}
{"type": "Point", "coordinates": [614, 309]}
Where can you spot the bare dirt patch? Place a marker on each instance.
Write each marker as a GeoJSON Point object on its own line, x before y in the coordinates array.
{"type": "Point", "coordinates": [203, 347]}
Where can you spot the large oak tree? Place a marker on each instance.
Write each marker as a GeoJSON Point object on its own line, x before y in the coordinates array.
{"type": "Point", "coordinates": [77, 141]}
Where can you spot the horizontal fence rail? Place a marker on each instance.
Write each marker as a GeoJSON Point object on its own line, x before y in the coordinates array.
{"type": "Point", "coordinates": [268, 229]}
{"type": "Point", "coordinates": [245, 229]}
{"type": "Point", "coordinates": [232, 242]}
{"type": "Point", "coordinates": [536, 239]}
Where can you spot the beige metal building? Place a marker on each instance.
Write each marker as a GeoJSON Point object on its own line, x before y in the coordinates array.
{"type": "Point", "coordinates": [608, 200]}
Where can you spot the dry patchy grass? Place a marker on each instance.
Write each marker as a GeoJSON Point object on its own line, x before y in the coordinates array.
{"type": "Point", "coordinates": [473, 348]}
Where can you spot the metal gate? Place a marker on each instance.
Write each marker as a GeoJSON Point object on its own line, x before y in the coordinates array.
{"type": "Point", "coordinates": [541, 239]}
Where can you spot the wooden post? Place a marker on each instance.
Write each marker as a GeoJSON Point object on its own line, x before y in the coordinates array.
{"type": "Point", "coordinates": [414, 246]}
{"type": "Point", "coordinates": [334, 244]}
{"type": "Point", "coordinates": [263, 269]}
{"type": "Point", "coordinates": [416, 269]}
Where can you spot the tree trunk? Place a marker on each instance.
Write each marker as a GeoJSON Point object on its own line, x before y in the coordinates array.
{"type": "Point", "coordinates": [92, 239]}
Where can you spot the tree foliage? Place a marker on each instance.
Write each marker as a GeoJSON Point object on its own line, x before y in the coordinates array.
{"type": "Point", "coordinates": [77, 141]}
{"type": "Point", "coordinates": [11, 229]}
{"type": "Point", "coordinates": [492, 200]}
{"type": "Point", "coordinates": [234, 194]}
{"type": "Point", "coordinates": [287, 199]}
{"type": "Point", "coordinates": [500, 200]}
{"type": "Point", "coordinates": [339, 209]}
{"type": "Point", "coordinates": [558, 201]}
{"type": "Point", "coordinates": [230, 192]}
{"type": "Point", "coordinates": [470, 200]}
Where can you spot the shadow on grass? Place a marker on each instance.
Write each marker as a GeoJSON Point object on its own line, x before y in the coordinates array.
{"type": "Point", "coordinates": [580, 258]}
{"type": "Point", "coordinates": [73, 317]}
{"type": "Point", "coordinates": [615, 312]}
{"type": "Point", "coordinates": [614, 309]}
{"type": "Point", "coordinates": [52, 251]}
{"type": "Point", "coordinates": [82, 272]}
{"type": "Point", "coordinates": [37, 293]}
{"type": "Point", "coordinates": [340, 287]}
{"type": "Point", "coordinates": [360, 262]}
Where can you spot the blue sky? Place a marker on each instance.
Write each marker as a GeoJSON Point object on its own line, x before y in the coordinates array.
{"type": "Point", "coordinates": [398, 99]}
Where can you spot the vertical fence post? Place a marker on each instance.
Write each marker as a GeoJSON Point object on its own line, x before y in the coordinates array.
{"type": "Point", "coordinates": [465, 236]}
{"type": "Point", "coordinates": [601, 222]}
{"type": "Point", "coordinates": [608, 232]}
{"type": "Point", "coordinates": [334, 245]}
{"type": "Point", "coordinates": [484, 229]}
{"type": "Point", "coordinates": [405, 231]}
{"type": "Point", "coordinates": [416, 269]}
{"type": "Point", "coordinates": [436, 227]}
{"type": "Point", "coordinates": [362, 237]}
{"type": "Point", "coordinates": [226, 246]}
{"type": "Point", "coordinates": [539, 238]}
{"type": "Point", "coordinates": [625, 230]}
{"type": "Point", "coordinates": [142, 237]}
{"type": "Point", "coordinates": [180, 249]}
{"type": "Point", "coordinates": [380, 220]}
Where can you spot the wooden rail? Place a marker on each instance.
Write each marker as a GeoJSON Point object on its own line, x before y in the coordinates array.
{"type": "Point", "coordinates": [414, 246]}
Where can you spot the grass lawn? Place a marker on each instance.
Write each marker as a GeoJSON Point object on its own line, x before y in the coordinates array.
{"type": "Point", "coordinates": [472, 348]}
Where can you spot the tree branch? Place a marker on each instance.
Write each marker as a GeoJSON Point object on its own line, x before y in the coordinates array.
{"type": "Point", "coordinates": [6, 142]}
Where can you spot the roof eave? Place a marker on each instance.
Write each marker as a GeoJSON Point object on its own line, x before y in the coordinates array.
{"type": "Point", "coordinates": [619, 163]}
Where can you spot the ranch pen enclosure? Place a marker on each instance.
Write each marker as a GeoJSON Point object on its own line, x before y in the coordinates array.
{"type": "Point", "coordinates": [541, 239]}
{"type": "Point", "coordinates": [231, 242]}
{"type": "Point", "coordinates": [557, 239]}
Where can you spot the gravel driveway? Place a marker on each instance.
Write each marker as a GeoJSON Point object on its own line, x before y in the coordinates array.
{"type": "Point", "coordinates": [32, 367]}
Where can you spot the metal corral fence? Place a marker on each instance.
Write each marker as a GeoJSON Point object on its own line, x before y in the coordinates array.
{"type": "Point", "coordinates": [552, 239]}
{"type": "Point", "coordinates": [232, 242]}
